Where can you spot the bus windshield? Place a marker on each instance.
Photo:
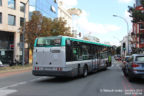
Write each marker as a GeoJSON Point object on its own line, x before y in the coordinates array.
{"type": "Point", "coordinates": [48, 42]}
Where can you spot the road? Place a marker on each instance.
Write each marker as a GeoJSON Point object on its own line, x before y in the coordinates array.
{"type": "Point", "coordinates": [111, 82]}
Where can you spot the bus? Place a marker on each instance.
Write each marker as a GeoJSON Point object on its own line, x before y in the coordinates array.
{"type": "Point", "coordinates": [69, 57]}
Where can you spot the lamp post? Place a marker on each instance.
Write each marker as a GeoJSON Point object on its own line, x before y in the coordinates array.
{"type": "Point", "coordinates": [23, 36]}
{"type": "Point", "coordinates": [127, 28]}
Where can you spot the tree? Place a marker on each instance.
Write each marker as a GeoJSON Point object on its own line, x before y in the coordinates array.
{"type": "Point", "coordinates": [118, 49]}
{"type": "Point", "coordinates": [86, 38]}
{"type": "Point", "coordinates": [137, 15]}
{"type": "Point", "coordinates": [40, 26]}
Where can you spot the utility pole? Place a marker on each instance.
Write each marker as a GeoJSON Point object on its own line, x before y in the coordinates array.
{"type": "Point", "coordinates": [127, 28]}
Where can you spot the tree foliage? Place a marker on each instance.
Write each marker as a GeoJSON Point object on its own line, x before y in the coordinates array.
{"type": "Point", "coordinates": [40, 26]}
{"type": "Point", "coordinates": [137, 15]}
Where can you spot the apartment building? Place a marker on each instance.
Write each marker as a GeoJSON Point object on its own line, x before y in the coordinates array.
{"type": "Point", "coordinates": [11, 18]}
{"type": "Point", "coordinates": [48, 8]}
{"type": "Point", "coordinates": [63, 13]}
{"type": "Point", "coordinates": [138, 29]}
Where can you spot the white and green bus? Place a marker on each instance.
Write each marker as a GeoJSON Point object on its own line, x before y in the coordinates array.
{"type": "Point", "coordinates": [67, 56]}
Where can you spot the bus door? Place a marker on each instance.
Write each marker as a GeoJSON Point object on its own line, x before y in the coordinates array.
{"type": "Point", "coordinates": [94, 58]}
{"type": "Point", "coordinates": [99, 59]}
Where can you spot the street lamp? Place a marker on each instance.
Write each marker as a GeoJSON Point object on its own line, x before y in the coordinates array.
{"type": "Point", "coordinates": [23, 36]}
{"type": "Point", "coordinates": [127, 28]}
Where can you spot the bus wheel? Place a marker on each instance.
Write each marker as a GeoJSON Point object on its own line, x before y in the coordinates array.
{"type": "Point", "coordinates": [85, 71]}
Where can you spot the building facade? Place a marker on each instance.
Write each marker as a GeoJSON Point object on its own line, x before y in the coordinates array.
{"type": "Point", "coordinates": [138, 29]}
{"type": "Point", "coordinates": [48, 8]}
{"type": "Point", "coordinates": [11, 18]}
{"type": "Point", "coordinates": [63, 13]}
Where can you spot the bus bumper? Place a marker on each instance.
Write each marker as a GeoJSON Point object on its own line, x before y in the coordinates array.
{"type": "Point", "coordinates": [71, 73]}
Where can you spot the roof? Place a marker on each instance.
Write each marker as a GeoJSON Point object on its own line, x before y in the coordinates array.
{"type": "Point", "coordinates": [85, 41]}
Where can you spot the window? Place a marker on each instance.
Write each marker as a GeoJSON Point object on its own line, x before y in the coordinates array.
{"type": "Point", "coordinates": [0, 18]}
{"type": "Point", "coordinates": [11, 4]}
{"type": "Point", "coordinates": [140, 58]}
{"type": "Point", "coordinates": [45, 42]}
{"type": "Point", "coordinates": [11, 20]}
{"type": "Point", "coordinates": [21, 21]}
{"type": "Point", "coordinates": [22, 7]}
{"type": "Point", "coordinates": [141, 26]}
{"type": "Point", "coordinates": [138, 2]}
{"type": "Point", "coordinates": [0, 2]}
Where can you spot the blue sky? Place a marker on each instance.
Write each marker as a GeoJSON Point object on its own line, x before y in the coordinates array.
{"type": "Point", "coordinates": [97, 18]}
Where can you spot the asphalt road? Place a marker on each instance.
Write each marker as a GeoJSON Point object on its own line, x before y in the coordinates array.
{"type": "Point", "coordinates": [111, 82]}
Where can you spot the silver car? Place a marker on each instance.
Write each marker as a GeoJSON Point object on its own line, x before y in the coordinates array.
{"type": "Point", "coordinates": [134, 68]}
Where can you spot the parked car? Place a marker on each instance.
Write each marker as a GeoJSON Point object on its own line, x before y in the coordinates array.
{"type": "Point", "coordinates": [118, 57]}
{"type": "Point", "coordinates": [125, 59]}
{"type": "Point", "coordinates": [134, 67]}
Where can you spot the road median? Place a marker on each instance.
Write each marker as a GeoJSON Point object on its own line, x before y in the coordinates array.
{"type": "Point", "coordinates": [8, 71]}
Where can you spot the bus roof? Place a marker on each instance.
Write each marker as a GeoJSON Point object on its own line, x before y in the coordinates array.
{"type": "Point", "coordinates": [84, 41]}
{"type": "Point", "coordinates": [79, 40]}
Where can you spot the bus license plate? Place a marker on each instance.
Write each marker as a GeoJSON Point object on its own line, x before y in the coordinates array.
{"type": "Point", "coordinates": [47, 68]}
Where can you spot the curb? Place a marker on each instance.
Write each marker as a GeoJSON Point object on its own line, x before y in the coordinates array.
{"type": "Point", "coordinates": [12, 72]}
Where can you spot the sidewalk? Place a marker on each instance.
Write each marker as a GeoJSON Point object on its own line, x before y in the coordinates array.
{"type": "Point", "coordinates": [8, 71]}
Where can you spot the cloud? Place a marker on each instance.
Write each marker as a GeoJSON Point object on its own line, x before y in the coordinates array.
{"type": "Point", "coordinates": [125, 1]}
{"type": "Point", "coordinates": [69, 3]}
{"type": "Point", "coordinates": [92, 27]}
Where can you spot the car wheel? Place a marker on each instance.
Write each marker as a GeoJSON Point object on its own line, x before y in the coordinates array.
{"type": "Point", "coordinates": [130, 78]}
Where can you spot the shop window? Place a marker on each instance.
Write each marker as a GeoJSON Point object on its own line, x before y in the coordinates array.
{"type": "Point", "coordinates": [11, 20]}
{"type": "Point", "coordinates": [11, 4]}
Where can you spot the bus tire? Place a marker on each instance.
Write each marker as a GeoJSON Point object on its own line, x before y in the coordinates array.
{"type": "Point", "coordinates": [85, 71]}
{"type": "Point", "coordinates": [78, 70]}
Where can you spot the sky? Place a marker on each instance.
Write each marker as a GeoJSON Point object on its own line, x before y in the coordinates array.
{"type": "Point", "coordinates": [97, 18]}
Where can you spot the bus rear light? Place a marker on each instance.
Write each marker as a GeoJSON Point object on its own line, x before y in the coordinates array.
{"type": "Point", "coordinates": [35, 68]}
{"type": "Point", "coordinates": [135, 65]}
{"type": "Point", "coordinates": [59, 69]}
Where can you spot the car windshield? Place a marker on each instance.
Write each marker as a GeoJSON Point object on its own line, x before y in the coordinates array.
{"type": "Point", "coordinates": [44, 42]}
{"type": "Point", "coordinates": [140, 58]}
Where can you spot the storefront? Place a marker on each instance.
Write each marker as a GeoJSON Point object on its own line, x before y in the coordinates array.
{"type": "Point", "coordinates": [6, 47]}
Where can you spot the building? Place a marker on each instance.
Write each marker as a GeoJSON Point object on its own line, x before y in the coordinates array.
{"type": "Point", "coordinates": [138, 30]}
{"type": "Point", "coordinates": [126, 46]}
{"type": "Point", "coordinates": [63, 13]}
{"type": "Point", "coordinates": [48, 8]}
{"type": "Point", "coordinates": [11, 18]}
{"type": "Point", "coordinates": [91, 38]}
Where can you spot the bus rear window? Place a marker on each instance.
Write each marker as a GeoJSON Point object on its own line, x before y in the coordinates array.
{"type": "Point", "coordinates": [45, 42]}
{"type": "Point", "coordinates": [140, 58]}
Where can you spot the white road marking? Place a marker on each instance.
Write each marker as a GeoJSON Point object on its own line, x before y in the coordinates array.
{"type": "Point", "coordinates": [122, 74]}
{"type": "Point", "coordinates": [6, 92]}
{"type": "Point", "coordinates": [21, 83]}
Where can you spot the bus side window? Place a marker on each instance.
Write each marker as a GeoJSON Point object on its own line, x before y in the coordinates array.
{"type": "Point", "coordinates": [69, 54]}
